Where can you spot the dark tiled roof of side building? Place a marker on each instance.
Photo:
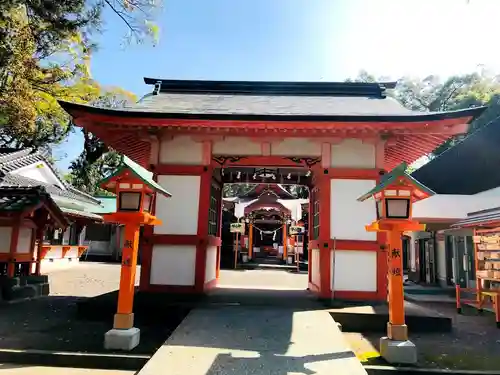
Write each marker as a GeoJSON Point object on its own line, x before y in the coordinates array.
{"type": "Point", "coordinates": [14, 180]}
{"type": "Point", "coordinates": [11, 160]}
{"type": "Point", "coordinates": [16, 199]}
{"type": "Point", "coordinates": [469, 167]}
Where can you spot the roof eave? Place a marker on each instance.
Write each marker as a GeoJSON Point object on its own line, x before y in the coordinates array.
{"type": "Point", "coordinates": [77, 109]}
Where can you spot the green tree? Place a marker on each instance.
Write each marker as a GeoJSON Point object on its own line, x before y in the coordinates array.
{"type": "Point", "coordinates": [432, 94]}
{"type": "Point", "coordinates": [45, 50]}
{"type": "Point", "coordinates": [97, 160]}
{"type": "Point", "coordinates": [236, 190]}
{"type": "Point", "coordinates": [298, 191]}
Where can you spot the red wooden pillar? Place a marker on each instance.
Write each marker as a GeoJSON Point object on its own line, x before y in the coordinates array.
{"type": "Point", "coordinates": [146, 256]}
{"type": "Point", "coordinates": [324, 234]}
{"type": "Point", "coordinates": [14, 238]}
{"type": "Point", "coordinates": [203, 213]}
{"type": "Point", "coordinates": [310, 231]}
{"type": "Point", "coordinates": [382, 266]}
{"type": "Point", "coordinates": [219, 232]}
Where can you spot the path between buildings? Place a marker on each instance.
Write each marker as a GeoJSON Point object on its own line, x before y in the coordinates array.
{"type": "Point", "coordinates": [252, 338]}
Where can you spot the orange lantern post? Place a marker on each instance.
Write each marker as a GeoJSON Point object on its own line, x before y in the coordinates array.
{"type": "Point", "coordinates": [394, 197]}
{"type": "Point", "coordinates": [135, 192]}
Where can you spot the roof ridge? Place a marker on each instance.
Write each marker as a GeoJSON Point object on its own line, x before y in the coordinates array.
{"type": "Point", "coordinates": [30, 152]}
{"type": "Point", "coordinates": [82, 193]}
{"type": "Point", "coordinates": [321, 88]}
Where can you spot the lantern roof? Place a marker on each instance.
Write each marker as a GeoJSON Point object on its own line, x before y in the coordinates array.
{"type": "Point", "coordinates": [127, 165]}
{"type": "Point", "coordinates": [398, 176]}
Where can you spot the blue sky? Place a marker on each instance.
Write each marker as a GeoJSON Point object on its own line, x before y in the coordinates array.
{"type": "Point", "coordinates": [297, 40]}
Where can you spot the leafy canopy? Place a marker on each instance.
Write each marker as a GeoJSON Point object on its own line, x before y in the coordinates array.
{"type": "Point", "coordinates": [97, 160]}
{"type": "Point", "coordinates": [45, 50]}
{"type": "Point", "coordinates": [432, 94]}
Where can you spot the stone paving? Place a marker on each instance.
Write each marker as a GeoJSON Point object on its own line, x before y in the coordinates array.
{"type": "Point", "coordinates": [263, 279]}
{"type": "Point", "coordinates": [241, 340]}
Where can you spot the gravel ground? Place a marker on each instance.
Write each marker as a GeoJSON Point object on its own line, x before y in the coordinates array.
{"type": "Point", "coordinates": [474, 343]}
{"type": "Point", "coordinates": [50, 323]}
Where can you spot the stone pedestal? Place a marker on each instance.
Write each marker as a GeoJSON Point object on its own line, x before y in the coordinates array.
{"type": "Point", "coordinates": [122, 339]}
{"type": "Point", "coordinates": [399, 352]}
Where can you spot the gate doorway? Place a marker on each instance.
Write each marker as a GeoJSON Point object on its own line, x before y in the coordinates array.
{"type": "Point", "coordinates": [269, 202]}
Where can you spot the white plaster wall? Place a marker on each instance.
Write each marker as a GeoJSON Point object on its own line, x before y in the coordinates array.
{"type": "Point", "coordinates": [355, 271]}
{"type": "Point", "coordinates": [316, 277]}
{"type": "Point", "coordinates": [353, 153]}
{"type": "Point", "coordinates": [495, 192]}
{"type": "Point", "coordinates": [348, 217]}
{"type": "Point", "coordinates": [55, 252]}
{"type": "Point", "coordinates": [441, 258]}
{"type": "Point", "coordinates": [24, 240]}
{"type": "Point", "coordinates": [5, 233]}
{"type": "Point", "coordinates": [181, 150]}
{"type": "Point", "coordinates": [236, 146]}
{"type": "Point", "coordinates": [72, 252]}
{"type": "Point", "coordinates": [179, 213]}
{"type": "Point", "coordinates": [453, 207]}
{"type": "Point", "coordinates": [211, 264]}
{"type": "Point", "coordinates": [40, 172]}
{"type": "Point", "coordinates": [173, 265]}
{"type": "Point", "coordinates": [296, 147]}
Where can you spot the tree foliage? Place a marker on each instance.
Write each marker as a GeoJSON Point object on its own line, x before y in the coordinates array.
{"type": "Point", "coordinates": [97, 160]}
{"type": "Point", "coordinates": [433, 94]}
{"type": "Point", "coordinates": [236, 190]}
{"type": "Point", "coordinates": [45, 50]}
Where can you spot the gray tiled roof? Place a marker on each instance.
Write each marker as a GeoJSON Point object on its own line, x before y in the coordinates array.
{"type": "Point", "coordinates": [270, 101]}
{"type": "Point", "coordinates": [17, 180]}
{"type": "Point", "coordinates": [12, 160]}
{"type": "Point", "coordinates": [269, 105]}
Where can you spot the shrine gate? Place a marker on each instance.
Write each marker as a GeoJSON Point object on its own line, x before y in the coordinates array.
{"type": "Point", "coordinates": [336, 138]}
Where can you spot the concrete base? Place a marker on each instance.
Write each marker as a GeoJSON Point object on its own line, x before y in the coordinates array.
{"type": "Point", "coordinates": [122, 339]}
{"type": "Point", "coordinates": [400, 352]}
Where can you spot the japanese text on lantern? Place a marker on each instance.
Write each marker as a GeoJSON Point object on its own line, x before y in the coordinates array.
{"type": "Point", "coordinates": [395, 262]}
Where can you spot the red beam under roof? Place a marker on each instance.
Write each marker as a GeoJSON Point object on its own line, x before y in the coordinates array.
{"type": "Point", "coordinates": [411, 136]}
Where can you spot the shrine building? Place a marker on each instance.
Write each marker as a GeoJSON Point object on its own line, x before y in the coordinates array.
{"type": "Point", "coordinates": [337, 139]}
{"type": "Point", "coordinates": [268, 210]}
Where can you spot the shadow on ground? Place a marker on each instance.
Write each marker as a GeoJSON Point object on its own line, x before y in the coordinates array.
{"type": "Point", "coordinates": [54, 323]}
{"type": "Point", "coordinates": [253, 331]}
